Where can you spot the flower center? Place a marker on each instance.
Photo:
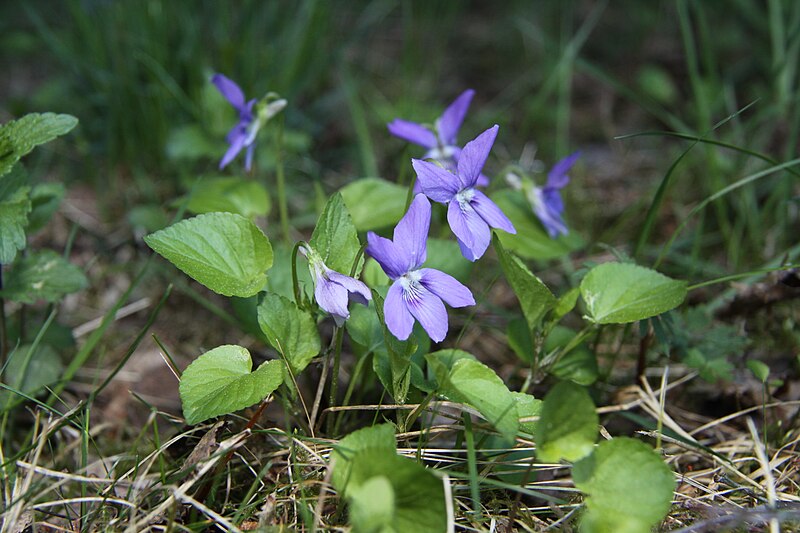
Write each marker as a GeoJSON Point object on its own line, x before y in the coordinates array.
{"type": "Point", "coordinates": [465, 196]}
{"type": "Point", "coordinates": [410, 284]}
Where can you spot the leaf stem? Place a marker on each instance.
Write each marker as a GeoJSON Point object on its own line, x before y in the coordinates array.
{"type": "Point", "coordinates": [295, 282]}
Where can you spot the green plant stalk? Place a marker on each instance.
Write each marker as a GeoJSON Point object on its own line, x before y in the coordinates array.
{"type": "Point", "coordinates": [472, 465]}
{"type": "Point", "coordinates": [337, 354]}
{"type": "Point", "coordinates": [283, 206]}
{"type": "Point", "coordinates": [295, 281]}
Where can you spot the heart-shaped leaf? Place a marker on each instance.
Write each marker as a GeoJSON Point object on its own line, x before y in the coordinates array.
{"type": "Point", "coordinates": [220, 382]}
{"type": "Point", "coordinates": [617, 293]}
{"type": "Point", "coordinates": [472, 383]}
{"type": "Point", "coordinates": [43, 275]}
{"type": "Point", "coordinates": [567, 428]}
{"type": "Point", "coordinates": [225, 252]}
{"type": "Point", "coordinates": [362, 196]}
{"type": "Point", "coordinates": [289, 330]}
{"type": "Point", "coordinates": [231, 195]}
{"type": "Point", "coordinates": [628, 487]}
{"type": "Point", "coordinates": [386, 492]}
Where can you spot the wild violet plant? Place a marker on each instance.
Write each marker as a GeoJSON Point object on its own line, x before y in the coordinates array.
{"type": "Point", "coordinates": [230, 255]}
{"type": "Point", "coordinates": [28, 275]}
{"type": "Point", "coordinates": [252, 117]}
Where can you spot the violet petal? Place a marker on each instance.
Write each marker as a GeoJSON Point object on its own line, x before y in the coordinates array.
{"type": "Point", "coordinates": [390, 256]}
{"type": "Point", "coordinates": [412, 132]}
{"type": "Point", "coordinates": [446, 287]}
{"type": "Point", "coordinates": [489, 212]}
{"type": "Point", "coordinates": [411, 233]}
{"type": "Point", "coordinates": [332, 297]}
{"type": "Point", "coordinates": [357, 291]}
{"type": "Point", "coordinates": [398, 318]}
{"type": "Point", "coordinates": [473, 156]}
{"type": "Point", "coordinates": [471, 230]}
{"type": "Point", "coordinates": [429, 310]}
{"type": "Point", "coordinates": [437, 183]}
{"type": "Point", "coordinates": [229, 90]}
{"type": "Point", "coordinates": [450, 121]}
{"type": "Point", "coordinates": [236, 146]}
{"type": "Point", "coordinates": [557, 177]}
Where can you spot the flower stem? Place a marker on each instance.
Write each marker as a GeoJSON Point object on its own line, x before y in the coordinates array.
{"type": "Point", "coordinates": [337, 353]}
{"type": "Point", "coordinates": [282, 204]}
{"type": "Point", "coordinates": [295, 282]}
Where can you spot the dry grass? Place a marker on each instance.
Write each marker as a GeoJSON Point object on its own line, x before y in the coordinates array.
{"type": "Point", "coordinates": [240, 480]}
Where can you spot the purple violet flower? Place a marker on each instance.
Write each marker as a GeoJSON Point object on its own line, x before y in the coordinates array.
{"type": "Point", "coordinates": [333, 290]}
{"type": "Point", "coordinates": [441, 141]}
{"type": "Point", "coordinates": [243, 134]}
{"type": "Point", "coordinates": [470, 213]}
{"type": "Point", "coordinates": [416, 293]}
{"type": "Point", "coordinates": [546, 201]}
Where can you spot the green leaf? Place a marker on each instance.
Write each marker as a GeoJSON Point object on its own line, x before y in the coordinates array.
{"type": "Point", "coordinates": [373, 275]}
{"type": "Point", "coordinates": [29, 373]}
{"type": "Point", "coordinates": [578, 365]}
{"type": "Point", "coordinates": [225, 252]}
{"type": "Point", "coordinates": [440, 363]}
{"type": "Point", "coordinates": [335, 237]}
{"type": "Point", "coordinates": [14, 211]}
{"type": "Point", "coordinates": [617, 293]}
{"type": "Point", "coordinates": [219, 382]}
{"type": "Point", "coordinates": [364, 195]}
{"type": "Point", "coordinates": [19, 137]}
{"type": "Point", "coordinates": [45, 199]}
{"type": "Point", "coordinates": [567, 428]}
{"type": "Point", "coordinates": [380, 437]}
{"type": "Point", "coordinates": [518, 335]}
{"type": "Point", "coordinates": [533, 295]}
{"type": "Point", "coordinates": [45, 276]}
{"type": "Point", "coordinates": [759, 370]}
{"type": "Point", "coordinates": [289, 330]}
{"type": "Point", "coordinates": [628, 487]}
{"type": "Point", "coordinates": [527, 406]}
{"type": "Point", "coordinates": [372, 506]}
{"type": "Point", "coordinates": [475, 384]}
{"type": "Point", "coordinates": [190, 143]}
{"type": "Point", "coordinates": [419, 499]}
{"type": "Point", "coordinates": [364, 327]}
{"type": "Point", "coordinates": [11, 182]}
{"type": "Point", "coordinates": [531, 241]}
{"type": "Point", "coordinates": [364, 462]}
{"type": "Point", "coordinates": [230, 195]}
{"type": "Point", "coordinates": [566, 303]}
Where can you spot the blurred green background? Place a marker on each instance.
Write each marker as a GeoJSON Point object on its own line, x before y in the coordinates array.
{"type": "Point", "coordinates": [564, 74]}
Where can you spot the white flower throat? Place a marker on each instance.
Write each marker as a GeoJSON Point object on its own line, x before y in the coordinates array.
{"type": "Point", "coordinates": [465, 196]}
{"type": "Point", "coordinates": [410, 282]}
